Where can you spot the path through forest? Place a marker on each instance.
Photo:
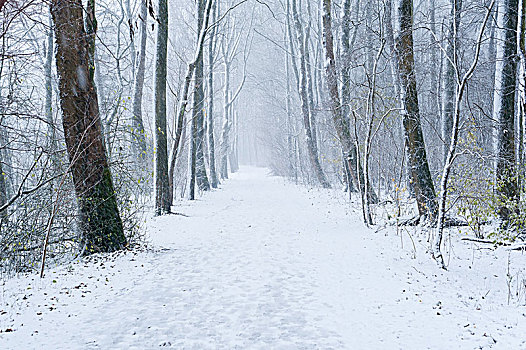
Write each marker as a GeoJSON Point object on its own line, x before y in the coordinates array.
{"type": "Point", "coordinates": [264, 264]}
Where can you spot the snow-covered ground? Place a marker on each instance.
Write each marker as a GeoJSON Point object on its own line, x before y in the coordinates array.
{"type": "Point", "coordinates": [264, 264]}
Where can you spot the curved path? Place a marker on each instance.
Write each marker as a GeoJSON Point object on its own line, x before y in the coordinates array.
{"type": "Point", "coordinates": [263, 264]}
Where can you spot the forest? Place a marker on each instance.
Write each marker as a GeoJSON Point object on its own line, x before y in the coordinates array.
{"type": "Point", "coordinates": [123, 123]}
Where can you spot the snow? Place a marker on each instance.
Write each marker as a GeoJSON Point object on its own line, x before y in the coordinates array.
{"type": "Point", "coordinates": [264, 264]}
{"type": "Point", "coordinates": [82, 78]}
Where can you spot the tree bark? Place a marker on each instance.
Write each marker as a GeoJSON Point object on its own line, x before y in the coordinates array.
{"type": "Point", "coordinates": [450, 84]}
{"type": "Point", "coordinates": [162, 192]}
{"type": "Point", "coordinates": [138, 134]}
{"type": "Point", "coordinates": [341, 124]}
{"type": "Point", "coordinates": [225, 131]}
{"type": "Point", "coordinates": [414, 138]}
{"type": "Point", "coordinates": [52, 138]}
{"type": "Point", "coordinates": [91, 31]}
{"type": "Point", "coordinates": [132, 50]}
{"type": "Point", "coordinates": [312, 148]}
{"type": "Point", "coordinates": [228, 49]}
{"type": "Point", "coordinates": [506, 172]}
{"type": "Point", "coordinates": [214, 182]}
{"type": "Point", "coordinates": [435, 95]}
{"type": "Point", "coordinates": [291, 168]}
{"type": "Point", "coordinates": [198, 127]}
{"type": "Point", "coordinates": [460, 86]}
{"type": "Point", "coordinates": [100, 222]}
{"type": "Point", "coordinates": [233, 154]}
{"type": "Point", "coordinates": [181, 113]}
{"type": "Point", "coordinates": [488, 137]}
{"type": "Point", "coordinates": [310, 78]}
{"type": "Point", "coordinates": [347, 42]}
{"type": "Point", "coordinates": [3, 174]}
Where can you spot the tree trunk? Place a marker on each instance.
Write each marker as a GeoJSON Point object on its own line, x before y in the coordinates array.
{"type": "Point", "coordinates": [291, 136]}
{"type": "Point", "coordinates": [311, 145]}
{"type": "Point", "coordinates": [91, 31]}
{"type": "Point", "coordinates": [233, 154]}
{"type": "Point", "coordinates": [395, 75]}
{"type": "Point", "coordinates": [226, 122]}
{"type": "Point", "coordinates": [435, 96]}
{"type": "Point", "coordinates": [370, 116]}
{"type": "Point", "coordinates": [162, 192]}
{"type": "Point", "coordinates": [132, 49]}
{"type": "Point", "coordinates": [52, 137]}
{"type": "Point", "coordinates": [347, 42]}
{"type": "Point", "coordinates": [179, 131]}
{"type": "Point", "coordinates": [450, 84]}
{"type": "Point", "coordinates": [214, 182]}
{"type": "Point", "coordinates": [460, 86]}
{"type": "Point", "coordinates": [309, 78]}
{"type": "Point", "coordinates": [488, 137]}
{"type": "Point", "coordinates": [198, 126]}
{"type": "Point", "coordinates": [416, 151]}
{"type": "Point", "coordinates": [291, 48]}
{"type": "Point", "coordinates": [103, 106]}
{"type": "Point", "coordinates": [389, 36]}
{"type": "Point", "coordinates": [522, 99]}
{"type": "Point", "coordinates": [3, 193]}
{"type": "Point", "coordinates": [341, 123]}
{"type": "Point", "coordinates": [506, 181]}
{"type": "Point", "coordinates": [138, 134]}
{"type": "Point", "coordinates": [291, 169]}
{"type": "Point", "coordinates": [3, 174]}
{"type": "Point", "coordinates": [100, 222]}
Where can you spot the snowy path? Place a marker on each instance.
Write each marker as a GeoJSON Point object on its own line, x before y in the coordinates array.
{"type": "Point", "coordinates": [263, 264]}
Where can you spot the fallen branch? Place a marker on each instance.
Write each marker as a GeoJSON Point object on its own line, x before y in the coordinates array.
{"type": "Point", "coordinates": [485, 241]}
{"type": "Point", "coordinates": [180, 214]}
{"type": "Point", "coordinates": [519, 246]}
{"type": "Point", "coordinates": [449, 222]}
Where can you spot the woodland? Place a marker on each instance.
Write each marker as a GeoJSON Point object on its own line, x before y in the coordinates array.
{"type": "Point", "coordinates": [113, 109]}
{"type": "Point", "coordinates": [118, 114]}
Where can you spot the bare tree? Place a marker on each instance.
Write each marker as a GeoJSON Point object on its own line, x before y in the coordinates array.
{"type": "Point", "coordinates": [162, 190]}
{"type": "Point", "coordinates": [139, 137]}
{"type": "Point", "coordinates": [506, 170]}
{"type": "Point", "coordinates": [181, 120]}
{"type": "Point", "coordinates": [312, 147]}
{"type": "Point", "coordinates": [414, 138]}
{"type": "Point", "coordinates": [461, 83]}
{"type": "Point", "coordinates": [229, 49]}
{"type": "Point", "coordinates": [100, 221]}
{"type": "Point", "coordinates": [197, 163]}
{"type": "Point", "coordinates": [212, 44]}
{"type": "Point", "coordinates": [450, 84]}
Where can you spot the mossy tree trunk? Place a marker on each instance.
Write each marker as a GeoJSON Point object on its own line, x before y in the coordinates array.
{"type": "Point", "coordinates": [100, 222]}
